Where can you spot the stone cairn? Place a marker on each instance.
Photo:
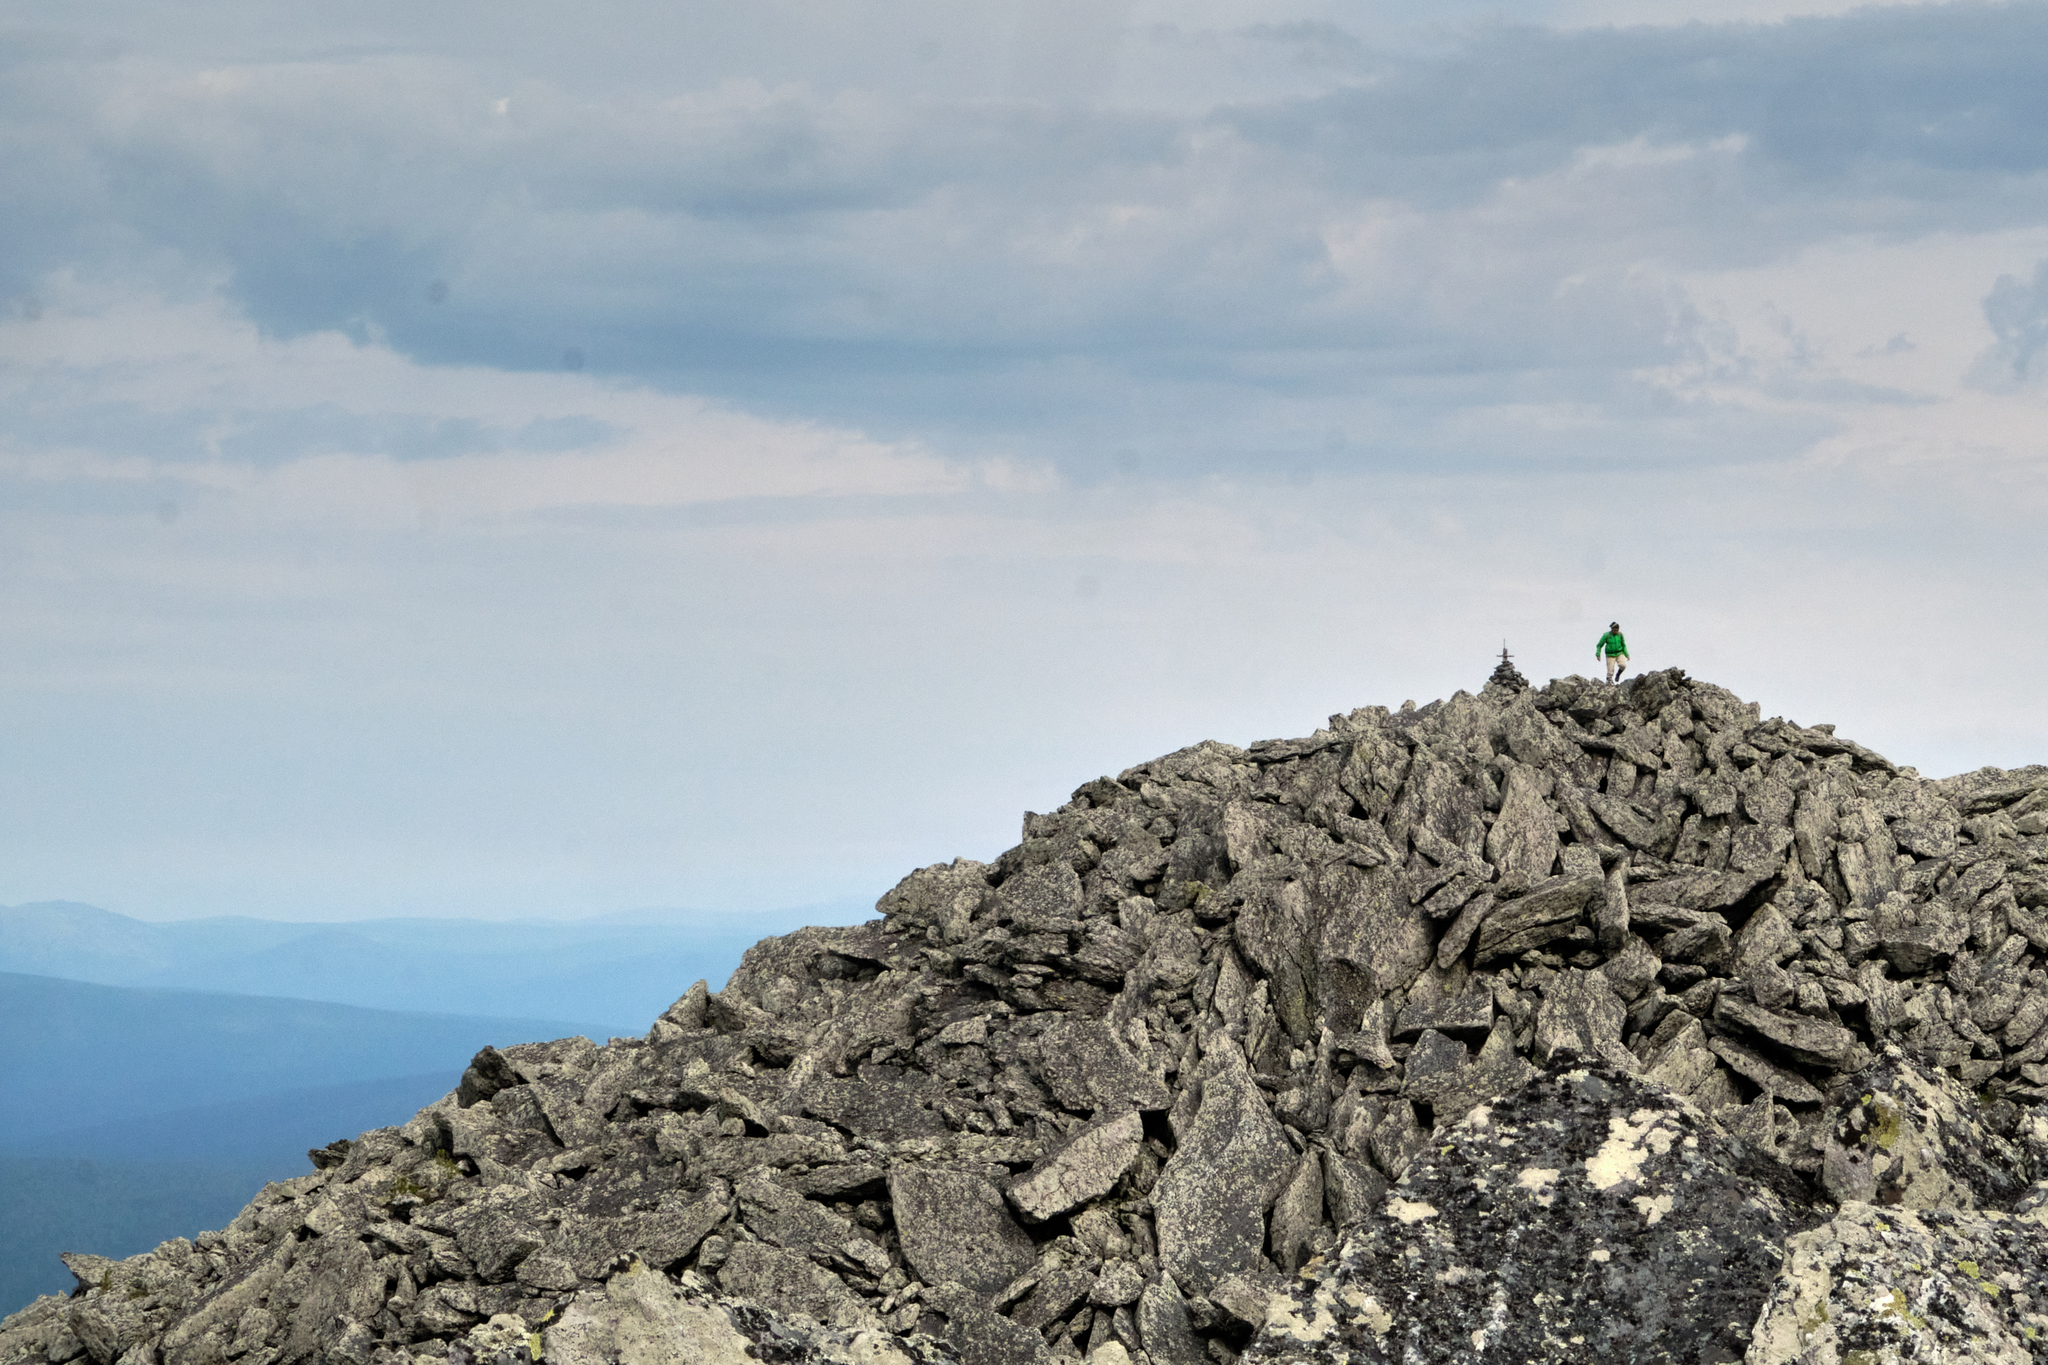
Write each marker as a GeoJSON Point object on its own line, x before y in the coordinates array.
{"type": "Point", "coordinates": [1505, 675]}
{"type": "Point", "coordinates": [1610, 1022]}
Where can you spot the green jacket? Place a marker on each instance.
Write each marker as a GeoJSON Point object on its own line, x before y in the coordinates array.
{"type": "Point", "coordinates": [1610, 643]}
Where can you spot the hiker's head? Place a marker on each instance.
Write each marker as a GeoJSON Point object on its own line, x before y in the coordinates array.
{"type": "Point", "coordinates": [1614, 625]}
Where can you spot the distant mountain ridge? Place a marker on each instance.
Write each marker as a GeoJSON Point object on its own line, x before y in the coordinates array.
{"type": "Point", "coordinates": [617, 971]}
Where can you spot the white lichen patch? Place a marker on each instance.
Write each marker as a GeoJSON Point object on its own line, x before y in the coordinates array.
{"type": "Point", "coordinates": [1540, 1181]}
{"type": "Point", "coordinates": [1368, 1309]}
{"type": "Point", "coordinates": [1653, 1208]}
{"type": "Point", "coordinates": [1282, 1318]}
{"type": "Point", "coordinates": [1410, 1210]}
{"type": "Point", "coordinates": [1629, 1142]}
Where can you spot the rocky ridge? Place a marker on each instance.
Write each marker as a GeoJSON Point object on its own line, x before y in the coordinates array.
{"type": "Point", "coordinates": [1613, 1020]}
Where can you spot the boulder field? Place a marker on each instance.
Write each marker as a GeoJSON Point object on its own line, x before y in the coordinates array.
{"type": "Point", "coordinates": [1589, 1022]}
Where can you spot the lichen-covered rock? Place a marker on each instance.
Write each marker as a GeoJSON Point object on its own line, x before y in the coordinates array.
{"type": "Point", "coordinates": [642, 1317]}
{"type": "Point", "coordinates": [1213, 1195]}
{"type": "Point", "coordinates": [1887, 1286]}
{"type": "Point", "coordinates": [1586, 1216]}
{"type": "Point", "coordinates": [1086, 1168]}
{"type": "Point", "coordinates": [955, 1228]}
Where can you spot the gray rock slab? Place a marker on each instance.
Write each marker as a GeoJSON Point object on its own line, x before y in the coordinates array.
{"type": "Point", "coordinates": [1787, 1085]}
{"type": "Point", "coordinates": [1086, 1167]}
{"type": "Point", "coordinates": [1684, 1061]}
{"type": "Point", "coordinates": [1812, 1041]}
{"type": "Point", "coordinates": [1548, 911]}
{"type": "Point", "coordinates": [955, 1228]}
{"type": "Point", "coordinates": [1351, 1189]}
{"type": "Point", "coordinates": [789, 1283]}
{"type": "Point", "coordinates": [1087, 1069]}
{"type": "Point", "coordinates": [977, 1332]}
{"type": "Point", "coordinates": [1163, 1325]}
{"type": "Point", "coordinates": [1707, 891]}
{"type": "Point", "coordinates": [646, 1318]}
{"type": "Point", "coordinates": [1373, 940]}
{"type": "Point", "coordinates": [1468, 1010]}
{"type": "Point", "coordinates": [1297, 1214]}
{"type": "Point", "coordinates": [877, 1109]}
{"type": "Point", "coordinates": [1059, 1292]}
{"type": "Point", "coordinates": [1634, 826]}
{"type": "Point", "coordinates": [1459, 936]}
{"type": "Point", "coordinates": [1911, 1136]}
{"type": "Point", "coordinates": [779, 1215]}
{"type": "Point", "coordinates": [1120, 1282]}
{"type": "Point", "coordinates": [1211, 1199]}
{"type": "Point", "coordinates": [1580, 1012]}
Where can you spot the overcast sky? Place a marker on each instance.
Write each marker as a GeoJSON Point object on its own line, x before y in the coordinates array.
{"type": "Point", "coordinates": [503, 459]}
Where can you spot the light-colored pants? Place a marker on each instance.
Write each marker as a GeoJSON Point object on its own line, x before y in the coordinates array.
{"type": "Point", "coordinates": [1615, 663]}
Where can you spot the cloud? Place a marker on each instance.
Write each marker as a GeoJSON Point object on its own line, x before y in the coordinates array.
{"type": "Point", "coordinates": [985, 267]}
{"type": "Point", "coordinates": [2018, 313]}
{"type": "Point", "coordinates": [137, 396]}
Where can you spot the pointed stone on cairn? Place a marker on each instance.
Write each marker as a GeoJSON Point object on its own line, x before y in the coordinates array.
{"type": "Point", "coordinates": [1505, 674]}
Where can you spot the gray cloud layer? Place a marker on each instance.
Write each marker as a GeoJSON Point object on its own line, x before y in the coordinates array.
{"type": "Point", "coordinates": [994, 266]}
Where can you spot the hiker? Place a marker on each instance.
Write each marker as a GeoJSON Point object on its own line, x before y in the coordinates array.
{"type": "Point", "coordinates": [1615, 650]}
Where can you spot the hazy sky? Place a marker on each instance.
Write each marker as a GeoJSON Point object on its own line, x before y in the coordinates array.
{"type": "Point", "coordinates": [471, 458]}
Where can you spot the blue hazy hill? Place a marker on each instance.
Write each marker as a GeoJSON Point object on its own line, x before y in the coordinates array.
{"type": "Point", "coordinates": [74, 1054]}
{"type": "Point", "coordinates": [135, 1115]}
{"type": "Point", "coordinates": [151, 1090]}
{"type": "Point", "coordinates": [618, 971]}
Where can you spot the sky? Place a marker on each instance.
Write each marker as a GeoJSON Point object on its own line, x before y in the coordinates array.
{"type": "Point", "coordinates": [506, 461]}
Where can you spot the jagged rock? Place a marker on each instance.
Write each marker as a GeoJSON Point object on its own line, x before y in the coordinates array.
{"type": "Point", "coordinates": [488, 1073]}
{"type": "Point", "coordinates": [1588, 1215]}
{"type": "Point", "coordinates": [1522, 844]}
{"type": "Point", "coordinates": [1188, 1029]}
{"type": "Point", "coordinates": [1164, 1326]}
{"type": "Point", "coordinates": [1883, 1286]}
{"type": "Point", "coordinates": [981, 1335]}
{"type": "Point", "coordinates": [1086, 1168]}
{"type": "Point", "coordinates": [1908, 1136]}
{"type": "Point", "coordinates": [1582, 1014]}
{"type": "Point", "coordinates": [1466, 1010]}
{"type": "Point", "coordinates": [1087, 1069]}
{"type": "Point", "coordinates": [1212, 1197]}
{"type": "Point", "coordinates": [1548, 911]}
{"type": "Point", "coordinates": [955, 1228]}
{"type": "Point", "coordinates": [642, 1317]}
{"type": "Point", "coordinates": [767, 1274]}
{"type": "Point", "coordinates": [1812, 1041]}
{"type": "Point", "coordinates": [1775, 1080]}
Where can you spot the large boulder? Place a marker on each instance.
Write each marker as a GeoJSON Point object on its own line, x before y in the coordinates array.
{"type": "Point", "coordinates": [1588, 1216]}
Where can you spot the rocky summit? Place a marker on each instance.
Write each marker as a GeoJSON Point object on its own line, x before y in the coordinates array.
{"type": "Point", "coordinates": [1589, 1022]}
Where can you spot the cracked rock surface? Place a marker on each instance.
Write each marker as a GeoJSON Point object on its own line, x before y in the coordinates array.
{"type": "Point", "coordinates": [1145, 1087]}
{"type": "Point", "coordinates": [1587, 1215]}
